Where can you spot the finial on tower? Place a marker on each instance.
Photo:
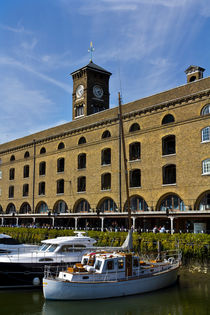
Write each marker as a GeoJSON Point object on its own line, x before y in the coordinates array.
{"type": "Point", "coordinates": [91, 50]}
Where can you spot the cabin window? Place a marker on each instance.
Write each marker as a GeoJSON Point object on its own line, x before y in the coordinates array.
{"type": "Point", "coordinates": [85, 261]}
{"type": "Point", "coordinates": [110, 264]}
{"type": "Point", "coordinates": [135, 262]}
{"type": "Point", "coordinates": [98, 264]}
{"type": "Point", "coordinates": [66, 248]}
{"type": "Point", "coordinates": [52, 248]}
{"type": "Point", "coordinates": [120, 263]}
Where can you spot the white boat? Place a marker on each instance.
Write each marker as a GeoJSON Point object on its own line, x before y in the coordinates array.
{"type": "Point", "coordinates": [9, 245]}
{"type": "Point", "coordinates": [106, 275]}
{"type": "Point", "coordinates": [27, 270]}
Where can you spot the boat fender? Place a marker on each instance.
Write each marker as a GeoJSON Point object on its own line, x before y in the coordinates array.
{"type": "Point", "coordinates": [171, 260]}
{"type": "Point", "coordinates": [36, 281]}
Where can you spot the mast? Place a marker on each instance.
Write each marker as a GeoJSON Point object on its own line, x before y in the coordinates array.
{"type": "Point", "coordinates": [125, 162]}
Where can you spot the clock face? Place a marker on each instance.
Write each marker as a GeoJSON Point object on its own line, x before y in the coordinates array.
{"type": "Point", "coordinates": [98, 91]}
{"type": "Point", "coordinates": [79, 91]}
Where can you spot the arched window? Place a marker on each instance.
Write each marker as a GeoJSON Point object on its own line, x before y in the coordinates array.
{"type": "Point", "coordinates": [134, 151]}
{"type": "Point", "coordinates": [41, 188]}
{"type": "Point", "coordinates": [134, 127]}
{"type": "Point", "coordinates": [169, 174]}
{"type": "Point", "coordinates": [26, 155]}
{"type": "Point", "coordinates": [42, 150]}
{"type": "Point", "coordinates": [61, 146]}
{"type": "Point", "coordinates": [42, 168]}
{"type": "Point", "coordinates": [82, 140]}
{"type": "Point", "coordinates": [137, 204]}
{"type": "Point", "coordinates": [60, 207]}
{"type": "Point", "coordinates": [11, 208]}
{"type": "Point", "coordinates": [26, 171]}
{"type": "Point", "coordinates": [205, 110]}
{"type": "Point", "coordinates": [106, 134]}
{"type": "Point", "coordinates": [12, 158]}
{"type": "Point", "coordinates": [25, 208]}
{"type": "Point", "coordinates": [172, 201]}
{"type": "Point", "coordinates": [205, 134]}
{"type": "Point", "coordinates": [167, 119]}
{"type": "Point", "coordinates": [106, 181]}
{"type": "Point", "coordinates": [60, 186]}
{"type": "Point", "coordinates": [81, 184]}
{"type": "Point", "coordinates": [204, 203]}
{"type": "Point", "coordinates": [25, 190]}
{"type": "Point", "coordinates": [1, 209]}
{"type": "Point", "coordinates": [83, 206]}
{"type": "Point", "coordinates": [42, 208]}
{"type": "Point", "coordinates": [169, 145]}
{"type": "Point", "coordinates": [108, 205]}
{"type": "Point", "coordinates": [11, 192]}
{"type": "Point", "coordinates": [106, 156]}
{"type": "Point", "coordinates": [206, 167]}
{"type": "Point", "coordinates": [135, 178]}
{"type": "Point", "coordinates": [60, 165]}
{"type": "Point", "coordinates": [81, 161]}
{"type": "Point", "coordinates": [11, 174]}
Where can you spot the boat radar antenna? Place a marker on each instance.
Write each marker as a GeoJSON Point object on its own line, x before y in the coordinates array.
{"type": "Point", "coordinates": [91, 50]}
{"type": "Point", "coordinates": [125, 162]}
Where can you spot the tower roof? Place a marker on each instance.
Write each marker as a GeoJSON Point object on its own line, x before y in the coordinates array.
{"type": "Point", "coordinates": [93, 66]}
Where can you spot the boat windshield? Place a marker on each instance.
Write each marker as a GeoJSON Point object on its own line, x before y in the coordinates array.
{"type": "Point", "coordinates": [98, 264]}
{"type": "Point", "coordinates": [52, 248]}
{"type": "Point", "coordinates": [44, 247]}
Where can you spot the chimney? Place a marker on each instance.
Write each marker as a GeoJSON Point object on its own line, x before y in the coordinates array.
{"type": "Point", "coordinates": [194, 73]}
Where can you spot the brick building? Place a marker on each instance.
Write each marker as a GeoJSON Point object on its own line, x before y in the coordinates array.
{"type": "Point", "coordinates": [70, 175]}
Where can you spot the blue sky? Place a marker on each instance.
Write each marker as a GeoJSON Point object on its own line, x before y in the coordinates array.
{"type": "Point", "coordinates": [146, 44]}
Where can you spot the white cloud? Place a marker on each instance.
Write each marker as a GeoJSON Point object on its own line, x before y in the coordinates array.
{"type": "Point", "coordinates": [19, 29]}
{"type": "Point", "coordinates": [8, 61]}
{"type": "Point", "coordinates": [22, 109]}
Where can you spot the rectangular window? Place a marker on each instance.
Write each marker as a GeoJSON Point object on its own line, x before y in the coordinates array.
{"type": "Point", "coordinates": [0, 174]}
{"type": "Point", "coordinates": [11, 192]}
{"type": "Point", "coordinates": [206, 166]}
{"type": "Point", "coordinates": [206, 134]}
{"type": "Point", "coordinates": [79, 111]}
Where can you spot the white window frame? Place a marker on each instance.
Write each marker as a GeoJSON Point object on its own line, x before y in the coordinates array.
{"type": "Point", "coordinates": [79, 111]}
{"type": "Point", "coordinates": [206, 167]}
{"type": "Point", "coordinates": [205, 132]}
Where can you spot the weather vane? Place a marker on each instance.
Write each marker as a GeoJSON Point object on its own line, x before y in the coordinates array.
{"type": "Point", "coordinates": [91, 50]}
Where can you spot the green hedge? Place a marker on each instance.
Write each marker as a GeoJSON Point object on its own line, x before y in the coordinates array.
{"type": "Point", "coordinates": [196, 246]}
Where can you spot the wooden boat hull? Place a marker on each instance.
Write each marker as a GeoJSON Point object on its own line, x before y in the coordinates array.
{"type": "Point", "coordinates": [55, 289]}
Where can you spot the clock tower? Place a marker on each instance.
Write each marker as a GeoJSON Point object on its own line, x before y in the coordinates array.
{"type": "Point", "coordinates": [90, 90]}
